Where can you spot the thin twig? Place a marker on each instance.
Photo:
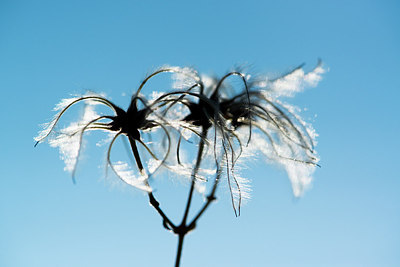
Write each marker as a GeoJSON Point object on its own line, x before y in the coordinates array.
{"type": "Point", "coordinates": [194, 173]}
{"type": "Point", "coordinates": [167, 223]}
{"type": "Point", "coordinates": [210, 198]}
{"type": "Point", "coordinates": [183, 229]}
{"type": "Point", "coordinates": [180, 246]}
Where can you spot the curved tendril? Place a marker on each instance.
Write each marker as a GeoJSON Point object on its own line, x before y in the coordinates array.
{"type": "Point", "coordinates": [197, 79]}
{"type": "Point", "coordinates": [283, 130]}
{"type": "Point", "coordinates": [152, 154]}
{"type": "Point", "coordinates": [241, 75]}
{"type": "Point", "coordinates": [233, 159]}
{"type": "Point", "coordinates": [57, 118]}
{"type": "Point", "coordinates": [319, 64]}
{"type": "Point", "coordinates": [280, 125]}
{"type": "Point", "coordinates": [147, 149]}
{"type": "Point", "coordinates": [288, 73]}
{"type": "Point", "coordinates": [297, 131]}
{"type": "Point", "coordinates": [141, 98]}
{"type": "Point", "coordinates": [215, 147]}
{"type": "Point", "coordinates": [283, 114]}
{"type": "Point", "coordinates": [149, 77]}
{"type": "Point", "coordinates": [178, 149]}
{"type": "Point", "coordinates": [109, 155]}
{"type": "Point", "coordinates": [128, 150]}
{"type": "Point", "coordinates": [226, 139]}
{"type": "Point", "coordinates": [149, 108]}
{"type": "Point", "coordinates": [228, 171]}
{"type": "Point", "coordinates": [165, 102]}
{"type": "Point", "coordinates": [240, 147]}
{"type": "Point", "coordinates": [199, 96]}
{"type": "Point", "coordinates": [164, 129]}
{"type": "Point", "coordinates": [205, 140]}
{"type": "Point", "coordinates": [80, 143]}
{"type": "Point", "coordinates": [279, 155]}
{"type": "Point", "coordinates": [110, 163]}
{"type": "Point", "coordinates": [219, 124]}
{"type": "Point", "coordinates": [160, 117]}
{"type": "Point", "coordinates": [226, 76]}
{"type": "Point", "coordinates": [104, 127]}
{"type": "Point", "coordinates": [146, 106]}
{"type": "Point", "coordinates": [233, 162]}
{"type": "Point", "coordinates": [179, 99]}
{"type": "Point", "coordinates": [279, 109]}
{"type": "Point", "coordinates": [169, 144]}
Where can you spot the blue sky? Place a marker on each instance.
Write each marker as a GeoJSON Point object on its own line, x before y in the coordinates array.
{"type": "Point", "coordinates": [351, 216]}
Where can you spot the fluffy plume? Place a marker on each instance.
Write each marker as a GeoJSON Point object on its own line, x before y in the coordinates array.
{"type": "Point", "coordinates": [292, 83]}
{"type": "Point", "coordinates": [227, 123]}
{"type": "Point", "coordinates": [69, 139]}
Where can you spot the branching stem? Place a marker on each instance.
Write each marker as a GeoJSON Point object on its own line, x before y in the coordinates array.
{"type": "Point", "coordinates": [184, 227]}
{"type": "Point", "coordinates": [166, 221]}
{"type": "Point", "coordinates": [194, 173]}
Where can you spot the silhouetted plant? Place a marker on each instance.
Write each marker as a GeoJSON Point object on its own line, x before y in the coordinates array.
{"type": "Point", "coordinates": [230, 126]}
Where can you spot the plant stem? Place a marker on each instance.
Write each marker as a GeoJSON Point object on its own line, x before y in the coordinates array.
{"type": "Point", "coordinates": [196, 168]}
{"type": "Point", "coordinates": [166, 221]}
{"type": "Point", "coordinates": [179, 250]}
{"type": "Point", "coordinates": [183, 229]}
{"type": "Point", "coordinates": [210, 198]}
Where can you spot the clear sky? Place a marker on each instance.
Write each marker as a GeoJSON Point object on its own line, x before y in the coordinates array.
{"type": "Point", "coordinates": [351, 216]}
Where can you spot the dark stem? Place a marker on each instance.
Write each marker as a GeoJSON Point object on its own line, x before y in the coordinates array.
{"type": "Point", "coordinates": [210, 198]}
{"type": "Point", "coordinates": [183, 229]}
{"type": "Point", "coordinates": [196, 168]}
{"type": "Point", "coordinates": [136, 153]}
{"type": "Point", "coordinates": [166, 221]}
{"type": "Point", "coordinates": [179, 251]}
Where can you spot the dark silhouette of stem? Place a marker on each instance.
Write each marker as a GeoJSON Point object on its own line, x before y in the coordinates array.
{"type": "Point", "coordinates": [167, 223]}
{"type": "Point", "coordinates": [179, 251]}
{"type": "Point", "coordinates": [210, 198]}
{"type": "Point", "coordinates": [185, 227]}
{"type": "Point", "coordinates": [136, 153]}
{"type": "Point", "coordinates": [194, 173]}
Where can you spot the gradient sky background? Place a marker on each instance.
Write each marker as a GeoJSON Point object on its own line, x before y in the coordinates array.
{"type": "Point", "coordinates": [351, 216]}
